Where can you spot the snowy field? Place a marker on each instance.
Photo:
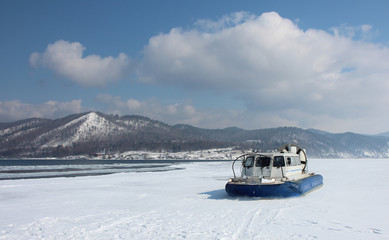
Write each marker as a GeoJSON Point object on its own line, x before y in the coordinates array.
{"type": "Point", "coordinates": [191, 203]}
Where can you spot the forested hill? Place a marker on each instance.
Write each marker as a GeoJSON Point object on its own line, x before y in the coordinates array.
{"type": "Point", "coordinates": [95, 132]}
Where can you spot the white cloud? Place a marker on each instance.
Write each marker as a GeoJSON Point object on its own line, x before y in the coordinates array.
{"type": "Point", "coordinates": [16, 109]}
{"type": "Point", "coordinates": [133, 104]}
{"type": "Point", "coordinates": [186, 113]}
{"type": "Point", "coordinates": [362, 32]}
{"type": "Point", "coordinates": [274, 66]}
{"type": "Point", "coordinates": [285, 75]}
{"type": "Point", "coordinates": [224, 22]}
{"type": "Point", "coordinates": [66, 59]}
{"type": "Point", "coordinates": [170, 113]}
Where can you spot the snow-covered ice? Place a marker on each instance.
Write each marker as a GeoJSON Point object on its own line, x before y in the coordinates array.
{"type": "Point", "coordinates": [41, 170]}
{"type": "Point", "coordinates": [191, 204]}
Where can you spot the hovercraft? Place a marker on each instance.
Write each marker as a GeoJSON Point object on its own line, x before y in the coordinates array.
{"type": "Point", "coordinates": [277, 174]}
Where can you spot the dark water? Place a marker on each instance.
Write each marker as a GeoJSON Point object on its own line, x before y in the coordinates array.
{"type": "Point", "coordinates": [36, 162]}
{"type": "Point", "coordinates": [30, 169]}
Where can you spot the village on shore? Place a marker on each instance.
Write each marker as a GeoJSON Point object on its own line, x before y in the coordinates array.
{"type": "Point", "coordinates": [209, 154]}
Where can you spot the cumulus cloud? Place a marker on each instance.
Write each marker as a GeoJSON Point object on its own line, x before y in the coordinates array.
{"type": "Point", "coordinates": [180, 112]}
{"type": "Point", "coordinates": [16, 109]}
{"type": "Point", "coordinates": [185, 112]}
{"type": "Point", "coordinates": [284, 74]}
{"type": "Point", "coordinates": [170, 113]}
{"type": "Point", "coordinates": [274, 66]}
{"type": "Point", "coordinates": [66, 59]}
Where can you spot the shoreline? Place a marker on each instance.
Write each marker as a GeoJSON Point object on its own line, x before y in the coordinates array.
{"type": "Point", "coordinates": [209, 154]}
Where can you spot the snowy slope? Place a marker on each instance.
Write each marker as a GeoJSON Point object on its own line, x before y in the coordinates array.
{"type": "Point", "coordinates": [82, 129]}
{"type": "Point", "coordinates": [19, 129]}
{"type": "Point", "coordinates": [140, 122]}
{"type": "Point", "coordinates": [21, 125]}
{"type": "Point", "coordinates": [192, 204]}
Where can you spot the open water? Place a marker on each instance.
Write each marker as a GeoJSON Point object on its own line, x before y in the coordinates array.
{"type": "Point", "coordinates": [29, 169]}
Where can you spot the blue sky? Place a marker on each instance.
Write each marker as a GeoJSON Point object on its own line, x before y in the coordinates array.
{"type": "Point", "coordinates": [211, 64]}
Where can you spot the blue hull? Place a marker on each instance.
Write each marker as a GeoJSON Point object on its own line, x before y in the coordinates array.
{"type": "Point", "coordinates": [286, 189]}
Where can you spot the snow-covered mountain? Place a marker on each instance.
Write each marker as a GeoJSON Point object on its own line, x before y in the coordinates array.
{"type": "Point", "coordinates": [96, 132]}
{"type": "Point", "coordinates": [93, 132]}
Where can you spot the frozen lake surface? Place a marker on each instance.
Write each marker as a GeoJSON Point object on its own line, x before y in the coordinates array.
{"type": "Point", "coordinates": [190, 203]}
{"type": "Point", "coordinates": [28, 169]}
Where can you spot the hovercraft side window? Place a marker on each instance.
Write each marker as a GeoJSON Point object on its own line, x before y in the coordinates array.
{"type": "Point", "coordinates": [262, 161]}
{"type": "Point", "coordinates": [278, 161]}
{"type": "Point", "coordinates": [249, 162]}
{"type": "Point", "coordinates": [296, 161]}
{"type": "Point", "coordinates": [293, 161]}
